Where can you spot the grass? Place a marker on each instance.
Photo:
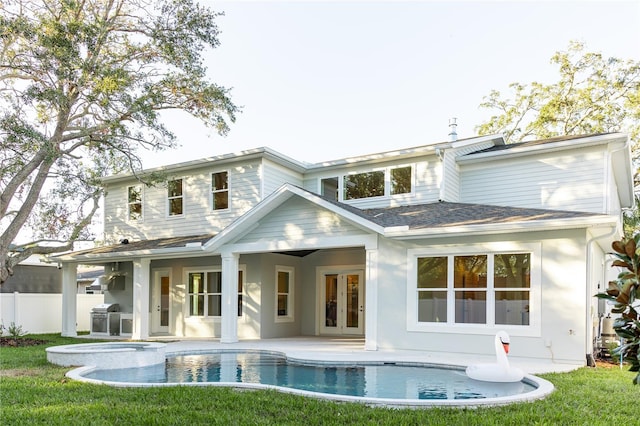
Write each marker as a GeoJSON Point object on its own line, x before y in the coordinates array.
{"type": "Point", "coordinates": [32, 391]}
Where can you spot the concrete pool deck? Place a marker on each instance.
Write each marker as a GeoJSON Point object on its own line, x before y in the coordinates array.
{"type": "Point", "coordinates": [337, 349]}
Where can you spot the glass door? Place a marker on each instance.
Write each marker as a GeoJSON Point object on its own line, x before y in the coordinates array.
{"type": "Point", "coordinates": [343, 303]}
{"type": "Point", "coordinates": [161, 300]}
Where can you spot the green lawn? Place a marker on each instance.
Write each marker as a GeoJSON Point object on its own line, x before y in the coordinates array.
{"type": "Point", "coordinates": [35, 392]}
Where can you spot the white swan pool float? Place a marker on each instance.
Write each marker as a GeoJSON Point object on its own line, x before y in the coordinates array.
{"type": "Point", "coordinates": [500, 371]}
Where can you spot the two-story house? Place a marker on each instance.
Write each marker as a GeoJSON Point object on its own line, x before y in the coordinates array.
{"type": "Point", "coordinates": [428, 248]}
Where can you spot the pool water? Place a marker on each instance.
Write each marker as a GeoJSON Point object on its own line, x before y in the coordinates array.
{"type": "Point", "coordinates": [361, 380]}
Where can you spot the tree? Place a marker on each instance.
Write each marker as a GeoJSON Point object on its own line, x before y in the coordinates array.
{"type": "Point", "coordinates": [82, 87]}
{"type": "Point", "coordinates": [594, 94]}
{"type": "Point", "coordinates": [624, 292]}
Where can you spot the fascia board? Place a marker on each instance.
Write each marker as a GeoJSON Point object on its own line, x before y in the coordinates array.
{"type": "Point", "coordinates": [531, 226]}
{"type": "Point", "coordinates": [127, 255]}
{"type": "Point", "coordinates": [550, 147]}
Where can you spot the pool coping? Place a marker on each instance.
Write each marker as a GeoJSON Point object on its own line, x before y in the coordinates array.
{"type": "Point", "coordinates": [543, 387]}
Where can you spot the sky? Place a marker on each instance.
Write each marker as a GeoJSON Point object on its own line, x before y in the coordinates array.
{"type": "Point", "coordinates": [332, 79]}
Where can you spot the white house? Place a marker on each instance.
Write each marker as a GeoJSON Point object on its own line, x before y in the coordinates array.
{"type": "Point", "coordinates": [427, 248]}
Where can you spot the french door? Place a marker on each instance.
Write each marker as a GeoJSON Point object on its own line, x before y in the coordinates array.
{"type": "Point", "coordinates": [342, 302]}
{"type": "Point", "coordinates": [160, 302]}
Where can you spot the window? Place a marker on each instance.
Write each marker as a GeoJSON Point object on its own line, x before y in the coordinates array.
{"type": "Point", "coordinates": [329, 188]}
{"type": "Point", "coordinates": [379, 183]}
{"type": "Point", "coordinates": [495, 289]}
{"type": "Point", "coordinates": [134, 202]}
{"type": "Point", "coordinates": [175, 197]}
{"type": "Point", "coordinates": [284, 293]}
{"type": "Point", "coordinates": [205, 294]}
{"type": "Point", "coordinates": [512, 283]}
{"type": "Point", "coordinates": [219, 191]}
{"type": "Point", "coordinates": [364, 185]}
{"type": "Point", "coordinates": [400, 180]}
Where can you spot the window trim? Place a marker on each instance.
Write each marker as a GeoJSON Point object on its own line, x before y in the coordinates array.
{"type": "Point", "coordinates": [183, 196]}
{"type": "Point", "coordinates": [212, 191]}
{"type": "Point", "coordinates": [203, 271]}
{"type": "Point", "coordinates": [489, 249]}
{"type": "Point", "coordinates": [128, 218]}
{"type": "Point", "coordinates": [290, 317]}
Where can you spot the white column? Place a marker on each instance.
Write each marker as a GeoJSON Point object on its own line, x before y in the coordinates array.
{"type": "Point", "coordinates": [229, 322]}
{"type": "Point", "coordinates": [371, 300]}
{"type": "Point", "coordinates": [141, 293]}
{"type": "Point", "coordinates": [69, 301]}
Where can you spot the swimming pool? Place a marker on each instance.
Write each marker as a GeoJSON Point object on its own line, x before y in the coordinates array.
{"type": "Point", "coordinates": [377, 383]}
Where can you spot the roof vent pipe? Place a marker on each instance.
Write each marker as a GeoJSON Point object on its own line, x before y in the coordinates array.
{"type": "Point", "coordinates": [453, 126]}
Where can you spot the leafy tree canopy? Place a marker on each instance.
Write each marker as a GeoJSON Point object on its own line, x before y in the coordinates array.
{"type": "Point", "coordinates": [82, 84]}
{"type": "Point", "coordinates": [593, 94]}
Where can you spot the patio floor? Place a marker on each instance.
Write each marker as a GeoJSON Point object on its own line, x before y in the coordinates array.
{"type": "Point", "coordinates": [340, 349]}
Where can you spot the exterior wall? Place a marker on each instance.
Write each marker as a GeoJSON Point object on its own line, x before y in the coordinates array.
{"type": "Point", "coordinates": [276, 175]}
{"type": "Point", "coordinates": [198, 217]}
{"type": "Point", "coordinates": [297, 219]}
{"type": "Point", "coordinates": [451, 174]}
{"type": "Point", "coordinates": [563, 302]}
{"type": "Point", "coordinates": [426, 181]}
{"type": "Point", "coordinates": [565, 180]}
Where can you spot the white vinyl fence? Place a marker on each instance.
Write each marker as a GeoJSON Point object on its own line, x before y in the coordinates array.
{"type": "Point", "coordinates": [42, 312]}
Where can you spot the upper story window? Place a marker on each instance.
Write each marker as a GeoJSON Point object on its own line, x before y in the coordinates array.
{"type": "Point", "coordinates": [378, 183]}
{"type": "Point", "coordinates": [494, 289]}
{"type": "Point", "coordinates": [134, 202]}
{"type": "Point", "coordinates": [364, 185]}
{"type": "Point", "coordinates": [175, 197]}
{"type": "Point", "coordinates": [401, 181]}
{"type": "Point", "coordinates": [219, 191]}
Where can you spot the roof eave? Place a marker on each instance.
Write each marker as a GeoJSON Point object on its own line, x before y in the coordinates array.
{"type": "Point", "coordinates": [401, 233]}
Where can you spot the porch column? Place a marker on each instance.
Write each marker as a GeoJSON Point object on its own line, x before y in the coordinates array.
{"type": "Point", "coordinates": [69, 299]}
{"type": "Point", "coordinates": [229, 321]}
{"type": "Point", "coordinates": [140, 299]}
{"type": "Point", "coordinates": [371, 300]}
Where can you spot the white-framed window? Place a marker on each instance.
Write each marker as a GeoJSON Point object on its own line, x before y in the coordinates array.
{"type": "Point", "coordinates": [175, 197]}
{"type": "Point", "coordinates": [284, 293]}
{"type": "Point", "coordinates": [385, 182]}
{"type": "Point", "coordinates": [204, 290]}
{"type": "Point", "coordinates": [482, 288]}
{"type": "Point", "coordinates": [134, 202]}
{"type": "Point", "coordinates": [220, 190]}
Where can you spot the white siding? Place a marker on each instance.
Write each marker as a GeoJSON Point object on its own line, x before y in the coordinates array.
{"type": "Point", "coordinates": [297, 220]}
{"type": "Point", "coordinates": [569, 180]}
{"type": "Point", "coordinates": [197, 218]}
{"type": "Point", "coordinates": [451, 178]}
{"type": "Point", "coordinates": [275, 175]}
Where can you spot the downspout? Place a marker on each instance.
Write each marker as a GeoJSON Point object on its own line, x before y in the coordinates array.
{"type": "Point", "coordinates": [589, 297]}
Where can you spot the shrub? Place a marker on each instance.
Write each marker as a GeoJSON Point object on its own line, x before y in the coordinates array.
{"type": "Point", "coordinates": [624, 292]}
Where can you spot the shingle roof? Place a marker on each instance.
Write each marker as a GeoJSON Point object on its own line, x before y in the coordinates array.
{"type": "Point", "coordinates": [446, 214]}
{"type": "Point", "coordinates": [534, 143]}
{"type": "Point", "coordinates": [422, 216]}
{"type": "Point", "coordinates": [155, 244]}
